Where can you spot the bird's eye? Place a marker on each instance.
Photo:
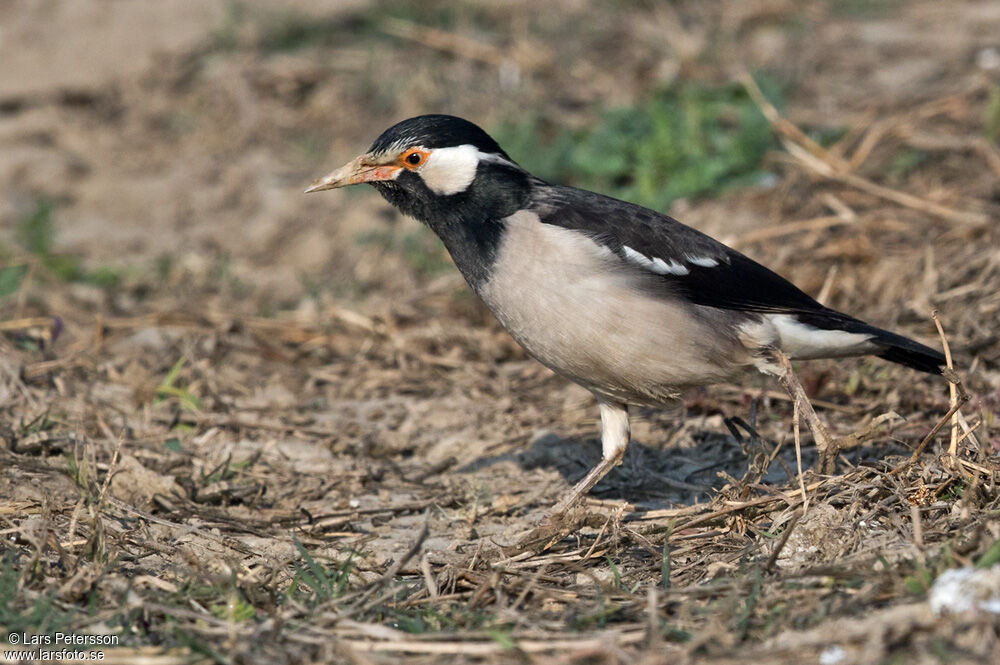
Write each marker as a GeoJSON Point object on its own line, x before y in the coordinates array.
{"type": "Point", "coordinates": [414, 158]}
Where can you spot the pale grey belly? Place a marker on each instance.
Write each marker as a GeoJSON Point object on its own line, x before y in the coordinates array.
{"type": "Point", "coordinates": [571, 306]}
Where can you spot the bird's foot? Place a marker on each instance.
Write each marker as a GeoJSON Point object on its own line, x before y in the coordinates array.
{"type": "Point", "coordinates": [568, 515]}
{"type": "Point", "coordinates": [552, 529]}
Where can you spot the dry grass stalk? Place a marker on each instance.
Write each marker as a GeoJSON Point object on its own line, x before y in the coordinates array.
{"type": "Point", "coordinates": [344, 410]}
{"type": "Point", "coordinates": [825, 164]}
{"type": "Point", "coordinates": [776, 552]}
{"type": "Point", "coordinates": [961, 400]}
{"type": "Point", "coordinates": [798, 455]}
{"type": "Point", "coordinates": [952, 386]}
{"type": "Point", "coordinates": [789, 228]}
{"type": "Point", "coordinates": [918, 527]}
{"type": "Point", "coordinates": [824, 443]}
{"type": "Point", "coordinates": [475, 648]}
{"type": "Point", "coordinates": [25, 323]}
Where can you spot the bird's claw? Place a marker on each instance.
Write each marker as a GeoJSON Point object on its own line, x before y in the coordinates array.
{"type": "Point", "coordinates": [552, 529]}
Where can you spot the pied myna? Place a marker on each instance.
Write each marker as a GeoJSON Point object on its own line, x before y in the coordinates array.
{"type": "Point", "coordinates": [627, 302]}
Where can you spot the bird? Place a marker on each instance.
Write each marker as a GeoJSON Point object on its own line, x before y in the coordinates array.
{"type": "Point", "coordinates": [623, 300]}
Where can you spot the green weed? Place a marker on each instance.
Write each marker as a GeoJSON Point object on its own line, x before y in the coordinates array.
{"type": "Point", "coordinates": [36, 233]}
{"type": "Point", "coordinates": [235, 609]}
{"type": "Point", "coordinates": [41, 617]}
{"type": "Point", "coordinates": [314, 584]}
{"type": "Point", "coordinates": [907, 161]}
{"type": "Point", "coordinates": [920, 581]}
{"type": "Point", "coordinates": [168, 388]}
{"type": "Point", "coordinates": [502, 637]}
{"type": "Point", "coordinates": [11, 278]}
{"type": "Point", "coordinates": [745, 617]}
{"type": "Point", "coordinates": [35, 230]}
{"type": "Point", "coordinates": [689, 140]}
{"type": "Point", "coordinates": [990, 557]}
{"type": "Point", "coordinates": [863, 8]}
{"type": "Point", "coordinates": [991, 114]}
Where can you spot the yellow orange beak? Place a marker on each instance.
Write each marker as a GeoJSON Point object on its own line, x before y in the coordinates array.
{"type": "Point", "coordinates": [360, 170]}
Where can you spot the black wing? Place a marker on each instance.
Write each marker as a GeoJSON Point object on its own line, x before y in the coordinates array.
{"type": "Point", "coordinates": [705, 272]}
{"type": "Point", "coordinates": [713, 274]}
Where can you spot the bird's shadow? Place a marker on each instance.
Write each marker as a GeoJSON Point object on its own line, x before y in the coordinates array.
{"type": "Point", "coordinates": [654, 478]}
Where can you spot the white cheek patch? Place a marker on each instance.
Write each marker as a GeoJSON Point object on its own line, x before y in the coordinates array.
{"type": "Point", "coordinates": [449, 171]}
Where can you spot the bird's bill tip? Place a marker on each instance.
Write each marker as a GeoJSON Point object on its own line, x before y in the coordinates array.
{"type": "Point", "coordinates": [358, 171]}
{"type": "Point", "coordinates": [319, 185]}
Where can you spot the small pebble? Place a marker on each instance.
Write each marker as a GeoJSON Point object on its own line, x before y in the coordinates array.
{"type": "Point", "coordinates": [988, 58]}
{"type": "Point", "coordinates": [966, 590]}
{"type": "Point", "coordinates": [832, 655]}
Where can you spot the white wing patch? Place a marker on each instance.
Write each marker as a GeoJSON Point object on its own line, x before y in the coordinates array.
{"type": "Point", "coordinates": [703, 261]}
{"type": "Point", "coordinates": [659, 266]}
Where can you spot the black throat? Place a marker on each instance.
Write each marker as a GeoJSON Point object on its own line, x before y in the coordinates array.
{"type": "Point", "coordinates": [471, 222]}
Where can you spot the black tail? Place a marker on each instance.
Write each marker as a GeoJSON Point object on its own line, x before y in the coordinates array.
{"type": "Point", "coordinates": [890, 346]}
{"type": "Point", "coordinates": [903, 350]}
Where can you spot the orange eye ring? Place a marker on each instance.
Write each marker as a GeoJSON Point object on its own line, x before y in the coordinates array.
{"type": "Point", "coordinates": [413, 158]}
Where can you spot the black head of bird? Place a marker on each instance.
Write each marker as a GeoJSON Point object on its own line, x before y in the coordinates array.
{"type": "Point", "coordinates": [626, 301]}
{"type": "Point", "coordinates": [445, 172]}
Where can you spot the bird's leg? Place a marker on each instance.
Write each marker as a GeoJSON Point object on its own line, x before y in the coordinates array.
{"type": "Point", "coordinates": [825, 444]}
{"type": "Point", "coordinates": [614, 439]}
{"type": "Point", "coordinates": [615, 434]}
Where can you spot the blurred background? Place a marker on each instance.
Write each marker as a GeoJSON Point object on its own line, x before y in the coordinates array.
{"type": "Point", "coordinates": [165, 283]}
{"type": "Point", "coordinates": [158, 150]}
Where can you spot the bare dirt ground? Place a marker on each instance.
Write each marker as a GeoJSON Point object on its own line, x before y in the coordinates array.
{"type": "Point", "coordinates": [243, 425]}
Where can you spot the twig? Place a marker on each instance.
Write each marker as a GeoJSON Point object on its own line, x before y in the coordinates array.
{"type": "Point", "coordinates": [798, 455]}
{"type": "Point", "coordinates": [827, 165]}
{"type": "Point", "coordinates": [181, 529]}
{"type": "Point", "coordinates": [232, 422]}
{"type": "Point", "coordinates": [824, 293]}
{"type": "Point", "coordinates": [944, 142]}
{"type": "Point", "coordinates": [962, 399]}
{"type": "Point", "coordinates": [918, 528]}
{"type": "Point", "coordinates": [600, 534]}
{"type": "Point", "coordinates": [652, 617]}
{"type": "Point", "coordinates": [969, 433]}
{"type": "Point", "coordinates": [743, 506]}
{"type": "Point", "coordinates": [824, 169]}
{"type": "Point", "coordinates": [432, 586]}
{"type": "Point", "coordinates": [787, 128]}
{"type": "Point", "coordinates": [771, 560]}
{"type": "Point", "coordinates": [481, 648]}
{"type": "Point", "coordinates": [825, 444]}
{"type": "Point", "coordinates": [952, 387]}
{"type": "Point", "coordinates": [449, 42]}
{"type": "Point", "coordinates": [789, 228]}
{"type": "Point", "coordinates": [876, 132]}
{"type": "Point", "coordinates": [22, 324]}
{"type": "Point", "coordinates": [360, 605]}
